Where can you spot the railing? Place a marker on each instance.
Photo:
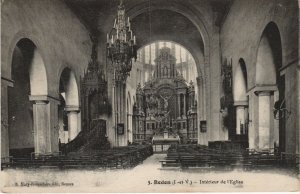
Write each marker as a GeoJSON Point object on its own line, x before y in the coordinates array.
{"type": "Point", "coordinates": [84, 138]}
{"type": "Point", "coordinates": [160, 148]}
{"type": "Point", "coordinates": [142, 136]}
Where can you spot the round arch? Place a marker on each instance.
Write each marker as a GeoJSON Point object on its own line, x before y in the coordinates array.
{"type": "Point", "coordinates": [34, 64]}
{"type": "Point", "coordinates": [240, 81]}
{"type": "Point", "coordinates": [193, 15]}
{"type": "Point", "coordinates": [28, 71]}
{"type": "Point", "coordinates": [68, 89]}
{"type": "Point", "coordinates": [200, 69]}
{"type": "Point", "coordinates": [270, 89]}
{"type": "Point", "coordinates": [69, 86]}
{"type": "Point", "coordinates": [20, 37]}
{"type": "Point", "coordinates": [269, 55]}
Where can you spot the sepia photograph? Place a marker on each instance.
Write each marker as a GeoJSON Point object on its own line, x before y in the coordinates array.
{"type": "Point", "coordinates": [150, 96]}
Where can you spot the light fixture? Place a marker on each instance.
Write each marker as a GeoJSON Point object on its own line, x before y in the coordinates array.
{"type": "Point", "coordinates": [121, 45]}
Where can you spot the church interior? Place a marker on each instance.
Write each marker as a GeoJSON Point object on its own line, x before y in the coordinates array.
{"type": "Point", "coordinates": [112, 82]}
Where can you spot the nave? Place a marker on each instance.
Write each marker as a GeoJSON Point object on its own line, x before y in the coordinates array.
{"type": "Point", "coordinates": [214, 84]}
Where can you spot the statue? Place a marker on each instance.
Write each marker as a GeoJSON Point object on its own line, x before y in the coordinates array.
{"type": "Point", "coordinates": [166, 104]}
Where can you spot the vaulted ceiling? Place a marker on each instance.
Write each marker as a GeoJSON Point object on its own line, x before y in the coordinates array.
{"type": "Point", "coordinates": [154, 19]}
{"type": "Point", "coordinates": [91, 11]}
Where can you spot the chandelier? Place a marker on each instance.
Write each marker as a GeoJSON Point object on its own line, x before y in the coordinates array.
{"type": "Point", "coordinates": [121, 45]}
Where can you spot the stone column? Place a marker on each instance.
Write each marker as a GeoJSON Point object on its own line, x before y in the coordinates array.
{"type": "Point", "coordinates": [173, 51]}
{"type": "Point", "coordinates": [184, 105]}
{"type": "Point", "coordinates": [240, 118]}
{"type": "Point", "coordinates": [143, 56]}
{"type": "Point", "coordinates": [178, 104]}
{"type": "Point", "coordinates": [72, 112]}
{"type": "Point", "coordinates": [54, 126]}
{"type": "Point", "coordinates": [45, 123]}
{"type": "Point", "coordinates": [264, 119]}
{"type": "Point", "coordinates": [156, 49]}
{"type": "Point", "coordinates": [5, 83]}
{"type": "Point", "coordinates": [41, 126]}
{"type": "Point", "coordinates": [240, 115]}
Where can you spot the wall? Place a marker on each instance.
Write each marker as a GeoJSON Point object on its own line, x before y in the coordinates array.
{"type": "Point", "coordinates": [59, 37]}
{"type": "Point", "coordinates": [240, 37]}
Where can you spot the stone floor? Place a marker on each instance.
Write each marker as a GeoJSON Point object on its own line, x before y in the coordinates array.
{"type": "Point", "coordinates": [145, 178]}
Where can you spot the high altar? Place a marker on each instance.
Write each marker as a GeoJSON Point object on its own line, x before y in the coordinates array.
{"type": "Point", "coordinates": [166, 107]}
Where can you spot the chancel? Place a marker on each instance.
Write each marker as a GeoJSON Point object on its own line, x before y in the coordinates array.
{"type": "Point", "coordinates": [166, 103]}
{"type": "Point", "coordinates": [109, 83]}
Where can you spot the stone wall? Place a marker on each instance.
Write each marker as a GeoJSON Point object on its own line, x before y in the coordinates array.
{"type": "Point", "coordinates": [240, 37]}
{"type": "Point", "coordinates": [60, 38]}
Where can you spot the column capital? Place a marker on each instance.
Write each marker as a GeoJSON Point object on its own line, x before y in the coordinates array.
{"type": "Point", "coordinates": [265, 89]}
{"type": "Point", "coordinates": [72, 108]}
{"type": "Point", "coordinates": [43, 98]}
{"type": "Point", "coordinates": [240, 103]}
{"type": "Point", "coordinates": [7, 82]}
{"type": "Point", "coordinates": [263, 93]}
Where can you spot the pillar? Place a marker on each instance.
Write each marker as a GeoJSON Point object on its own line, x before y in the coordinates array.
{"type": "Point", "coordinates": [156, 49]}
{"type": "Point", "coordinates": [240, 108]}
{"type": "Point", "coordinates": [73, 128]}
{"type": "Point", "coordinates": [178, 104]}
{"type": "Point", "coordinates": [264, 119]}
{"type": "Point", "coordinates": [5, 83]}
{"type": "Point", "coordinates": [173, 51]}
{"type": "Point", "coordinates": [184, 105]}
{"type": "Point", "coordinates": [79, 121]}
{"type": "Point", "coordinates": [45, 124]}
{"type": "Point", "coordinates": [240, 119]}
{"type": "Point", "coordinates": [143, 55]}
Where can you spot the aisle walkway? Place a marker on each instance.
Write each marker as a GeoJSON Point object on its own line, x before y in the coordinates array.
{"type": "Point", "coordinates": [138, 179]}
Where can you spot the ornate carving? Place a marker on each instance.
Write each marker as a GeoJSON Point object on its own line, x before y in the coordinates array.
{"type": "Point", "coordinates": [226, 101]}
{"type": "Point", "coordinates": [94, 96]}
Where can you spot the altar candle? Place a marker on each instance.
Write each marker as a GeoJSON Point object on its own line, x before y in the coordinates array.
{"type": "Point", "coordinates": [134, 40]}
{"type": "Point", "coordinates": [107, 37]}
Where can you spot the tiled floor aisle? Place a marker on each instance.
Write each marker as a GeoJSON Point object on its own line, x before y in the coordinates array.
{"type": "Point", "coordinates": [138, 179]}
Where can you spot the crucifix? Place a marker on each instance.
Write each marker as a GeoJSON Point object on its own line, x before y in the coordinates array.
{"type": "Point", "coordinates": [166, 104]}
